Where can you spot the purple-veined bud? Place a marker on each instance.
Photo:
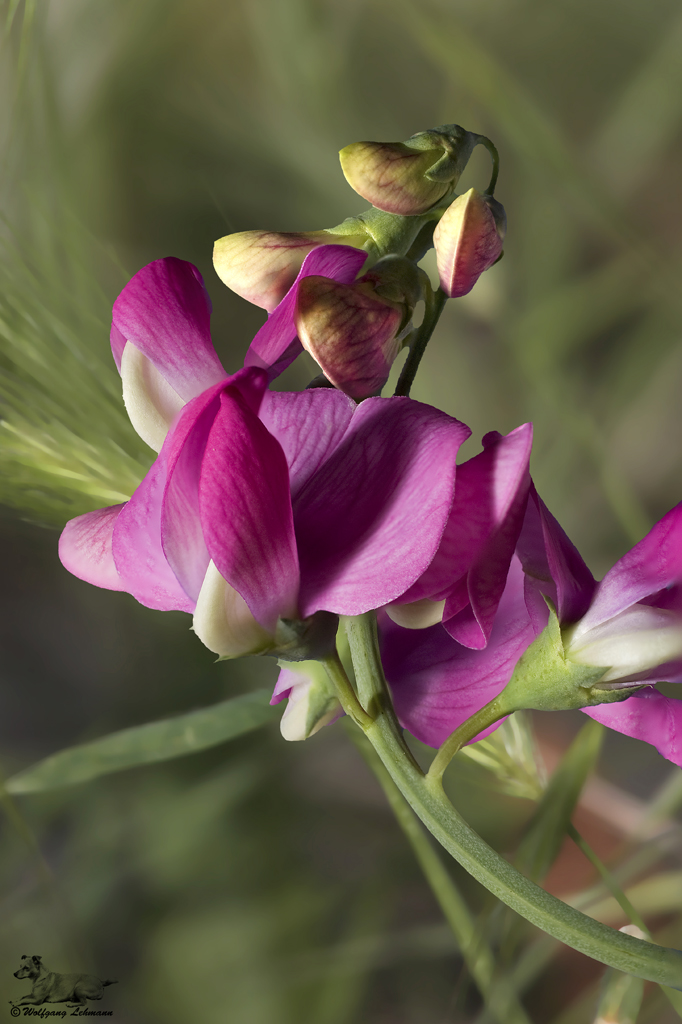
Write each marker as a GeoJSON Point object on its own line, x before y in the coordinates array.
{"type": "Point", "coordinates": [354, 332]}
{"type": "Point", "coordinates": [468, 240]}
{"type": "Point", "coordinates": [261, 266]}
{"type": "Point", "coordinates": [408, 177]}
{"type": "Point", "coordinates": [351, 332]}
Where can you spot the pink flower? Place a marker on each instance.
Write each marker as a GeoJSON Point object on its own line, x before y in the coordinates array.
{"type": "Point", "coordinates": [262, 508]}
{"type": "Point", "coordinates": [630, 623]}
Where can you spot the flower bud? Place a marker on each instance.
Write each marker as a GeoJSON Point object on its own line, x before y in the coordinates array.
{"type": "Point", "coordinates": [629, 645]}
{"type": "Point", "coordinates": [311, 701]}
{"type": "Point", "coordinates": [261, 266]}
{"type": "Point", "coordinates": [468, 240]}
{"type": "Point", "coordinates": [354, 332]}
{"type": "Point", "coordinates": [408, 177]}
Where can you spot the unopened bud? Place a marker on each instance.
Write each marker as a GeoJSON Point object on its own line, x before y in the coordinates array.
{"type": "Point", "coordinates": [261, 266]}
{"type": "Point", "coordinates": [408, 177]}
{"type": "Point", "coordinates": [468, 240]}
{"type": "Point", "coordinates": [355, 332]}
{"type": "Point", "coordinates": [311, 700]}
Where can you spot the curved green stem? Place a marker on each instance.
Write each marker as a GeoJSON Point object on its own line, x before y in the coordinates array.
{"type": "Point", "coordinates": [496, 990]}
{"type": "Point", "coordinates": [429, 802]}
{"type": "Point", "coordinates": [467, 731]}
{"type": "Point", "coordinates": [492, 149]}
{"type": "Point", "coordinates": [344, 691]}
{"type": "Point", "coordinates": [435, 303]}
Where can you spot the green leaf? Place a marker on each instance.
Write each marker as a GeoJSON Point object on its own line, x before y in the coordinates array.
{"type": "Point", "coordinates": [550, 822]}
{"type": "Point", "coordinates": [147, 744]}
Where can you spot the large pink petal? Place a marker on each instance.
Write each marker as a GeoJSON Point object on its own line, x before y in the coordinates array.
{"type": "Point", "coordinates": [275, 345]}
{"type": "Point", "coordinates": [85, 548]}
{"type": "Point", "coordinates": [654, 563]}
{"type": "Point", "coordinates": [437, 683]}
{"type": "Point", "coordinates": [370, 520]}
{"type": "Point", "coordinates": [470, 568]}
{"type": "Point", "coordinates": [648, 715]}
{"type": "Point", "coordinates": [181, 530]}
{"type": "Point", "coordinates": [138, 554]}
{"type": "Point", "coordinates": [309, 425]}
{"type": "Point", "coordinates": [165, 312]}
{"type": "Point", "coordinates": [246, 511]}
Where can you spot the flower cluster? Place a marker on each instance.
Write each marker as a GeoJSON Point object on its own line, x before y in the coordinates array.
{"type": "Point", "coordinates": [267, 515]}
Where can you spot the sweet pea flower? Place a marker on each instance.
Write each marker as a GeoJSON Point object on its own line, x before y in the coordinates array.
{"type": "Point", "coordinates": [262, 509]}
{"type": "Point", "coordinates": [633, 628]}
{"type": "Point", "coordinates": [630, 625]}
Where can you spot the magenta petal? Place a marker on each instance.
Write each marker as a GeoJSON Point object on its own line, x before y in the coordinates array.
{"type": "Point", "coordinates": [309, 425]}
{"type": "Point", "coordinates": [437, 683]}
{"type": "Point", "coordinates": [654, 563]}
{"type": "Point", "coordinates": [181, 530]}
{"type": "Point", "coordinates": [285, 682]}
{"type": "Point", "coordinates": [246, 511]}
{"type": "Point", "coordinates": [370, 520]}
{"type": "Point", "coordinates": [118, 343]}
{"type": "Point", "coordinates": [275, 345]}
{"type": "Point", "coordinates": [165, 312]}
{"type": "Point", "coordinates": [553, 563]}
{"type": "Point", "coordinates": [479, 540]}
{"type": "Point", "coordinates": [85, 548]}
{"type": "Point", "coordinates": [137, 549]}
{"type": "Point", "coordinates": [648, 715]}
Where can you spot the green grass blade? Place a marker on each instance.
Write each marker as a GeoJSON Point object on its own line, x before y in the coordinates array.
{"type": "Point", "coordinates": [549, 824]}
{"type": "Point", "coordinates": [147, 744]}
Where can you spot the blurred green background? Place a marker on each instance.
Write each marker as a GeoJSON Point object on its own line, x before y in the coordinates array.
{"type": "Point", "coordinates": [264, 882]}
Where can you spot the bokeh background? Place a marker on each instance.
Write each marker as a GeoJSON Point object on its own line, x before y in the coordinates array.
{"type": "Point", "coordinates": [265, 882]}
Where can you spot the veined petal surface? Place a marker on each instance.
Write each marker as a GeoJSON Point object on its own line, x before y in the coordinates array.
{"type": "Point", "coordinates": [370, 520]}
{"type": "Point", "coordinates": [275, 345]}
{"type": "Point", "coordinates": [437, 683]}
{"type": "Point", "coordinates": [85, 548]}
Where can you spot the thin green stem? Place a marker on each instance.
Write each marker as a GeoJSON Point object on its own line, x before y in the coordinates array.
{"type": "Point", "coordinates": [492, 149]}
{"type": "Point", "coordinates": [429, 802]}
{"type": "Point", "coordinates": [610, 882]}
{"type": "Point", "coordinates": [496, 990]}
{"type": "Point", "coordinates": [363, 642]}
{"type": "Point", "coordinates": [435, 303]}
{"type": "Point", "coordinates": [467, 731]}
{"type": "Point", "coordinates": [344, 691]}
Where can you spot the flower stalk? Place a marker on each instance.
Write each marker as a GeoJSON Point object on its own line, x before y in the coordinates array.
{"type": "Point", "coordinates": [429, 802]}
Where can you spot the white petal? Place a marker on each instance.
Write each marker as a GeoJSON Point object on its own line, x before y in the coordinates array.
{"type": "Point", "coordinates": [310, 705]}
{"type": "Point", "coordinates": [632, 642]}
{"type": "Point", "coordinates": [150, 401]}
{"type": "Point", "coordinates": [416, 614]}
{"type": "Point", "coordinates": [223, 622]}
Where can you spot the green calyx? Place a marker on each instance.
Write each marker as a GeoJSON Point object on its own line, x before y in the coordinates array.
{"type": "Point", "coordinates": [545, 680]}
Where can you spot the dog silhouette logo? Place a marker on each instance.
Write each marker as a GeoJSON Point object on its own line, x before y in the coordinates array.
{"type": "Point", "coordinates": [49, 987]}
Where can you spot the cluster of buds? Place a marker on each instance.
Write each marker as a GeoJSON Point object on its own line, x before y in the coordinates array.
{"type": "Point", "coordinates": [354, 325]}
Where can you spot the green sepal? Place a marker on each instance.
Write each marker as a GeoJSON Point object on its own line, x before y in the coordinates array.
{"type": "Point", "coordinates": [545, 680]}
